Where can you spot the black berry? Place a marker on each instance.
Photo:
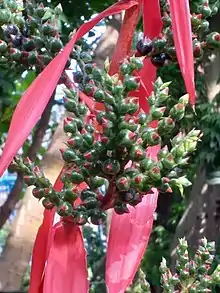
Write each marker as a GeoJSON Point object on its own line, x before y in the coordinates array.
{"type": "Point", "coordinates": [144, 46]}
{"type": "Point", "coordinates": [17, 41]}
{"type": "Point", "coordinates": [11, 29]}
{"type": "Point", "coordinates": [25, 31]}
{"type": "Point", "coordinates": [77, 76]}
{"type": "Point", "coordinates": [159, 60]}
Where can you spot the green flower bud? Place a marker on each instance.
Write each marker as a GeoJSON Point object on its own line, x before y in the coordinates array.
{"type": "Point", "coordinates": [75, 142]}
{"type": "Point", "coordinates": [154, 173]}
{"type": "Point", "coordinates": [111, 167]}
{"type": "Point", "coordinates": [177, 139]}
{"type": "Point", "coordinates": [82, 108]}
{"type": "Point", "coordinates": [91, 203]}
{"type": "Point", "coordinates": [89, 138]}
{"type": "Point", "coordinates": [118, 90]}
{"type": "Point", "coordinates": [177, 112]}
{"type": "Point", "coordinates": [159, 43]}
{"type": "Point", "coordinates": [131, 83]}
{"type": "Point", "coordinates": [97, 74]}
{"type": "Point", "coordinates": [69, 126]}
{"type": "Point", "coordinates": [70, 195]}
{"type": "Point", "coordinates": [146, 164]}
{"type": "Point", "coordinates": [91, 155]}
{"type": "Point", "coordinates": [178, 151]}
{"type": "Point", "coordinates": [131, 172]}
{"type": "Point", "coordinates": [85, 57]}
{"type": "Point", "coordinates": [29, 45]}
{"type": "Point", "coordinates": [80, 218]}
{"type": "Point", "coordinates": [205, 10]}
{"type": "Point", "coordinates": [68, 155]}
{"type": "Point", "coordinates": [163, 95]}
{"type": "Point", "coordinates": [141, 183]}
{"type": "Point", "coordinates": [136, 63]}
{"type": "Point", "coordinates": [99, 95]}
{"type": "Point", "coordinates": [32, 58]}
{"type": "Point", "coordinates": [213, 40]}
{"type": "Point", "coordinates": [29, 180]}
{"type": "Point", "coordinates": [65, 209]}
{"type": "Point", "coordinates": [5, 16]}
{"type": "Point", "coordinates": [55, 45]}
{"type": "Point", "coordinates": [38, 192]}
{"type": "Point", "coordinates": [88, 68]}
{"type": "Point", "coordinates": [125, 69]}
{"type": "Point", "coordinates": [184, 274]}
{"type": "Point", "coordinates": [190, 145]}
{"type": "Point", "coordinates": [197, 49]}
{"type": "Point", "coordinates": [157, 113]}
{"type": "Point", "coordinates": [202, 269]}
{"type": "Point", "coordinates": [126, 138]}
{"type": "Point", "coordinates": [130, 124]}
{"type": "Point", "coordinates": [40, 10]}
{"type": "Point", "coordinates": [137, 153]}
{"type": "Point", "coordinates": [97, 217]}
{"type": "Point", "coordinates": [88, 89]}
{"type": "Point", "coordinates": [193, 289]}
{"type": "Point", "coordinates": [15, 54]}
{"type": "Point", "coordinates": [87, 193]}
{"type": "Point", "coordinates": [150, 138]}
{"type": "Point", "coordinates": [169, 162]}
{"type": "Point", "coordinates": [184, 100]}
{"type": "Point", "coordinates": [48, 204]}
{"type": "Point", "coordinates": [196, 19]}
{"type": "Point", "coordinates": [165, 125]}
{"type": "Point", "coordinates": [76, 177]}
{"type": "Point", "coordinates": [204, 26]}
{"type": "Point", "coordinates": [97, 182]}
{"type": "Point", "coordinates": [32, 23]}
{"type": "Point", "coordinates": [175, 280]}
{"type": "Point", "coordinates": [3, 46]}
{"type": "Point", "coordinates": [123, 183]}
{"type": "Point", "coordinates": [166, 20]}
{"type": "Point", "coordinates": [47, 29]}
{"type": "Point", "coordinates": [11, 4]}
{"type": "Point", "coordinates": [109, 99]}
{"type": "Point", "coordinates": [163, 153]}
{"type": "Point", "coordinates": [18, 20]}
{"type": "Point", "coordinates": [45, 59]}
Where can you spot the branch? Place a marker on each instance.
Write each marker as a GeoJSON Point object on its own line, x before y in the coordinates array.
{"type": "Point", "coordinates": [39, 133]}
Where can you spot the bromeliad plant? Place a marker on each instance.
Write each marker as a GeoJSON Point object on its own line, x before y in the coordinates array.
{"type": "Point", "coordinates": [111, 143]}
{"type": "Point", "coordinates": [110, 147]}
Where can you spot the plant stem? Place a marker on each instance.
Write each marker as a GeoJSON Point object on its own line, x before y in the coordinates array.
{"type": "Point", "coordinates": [13, 197]}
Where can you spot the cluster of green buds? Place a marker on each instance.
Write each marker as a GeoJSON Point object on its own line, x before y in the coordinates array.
{"type": "Point", "coordinates": [31, 38]}
{"type": "Point", "coordinates": [161, 49]}
{"type": "Point", "coordinates": [197, 275]}
{"type": "Point", "coordinates": [107, 145]}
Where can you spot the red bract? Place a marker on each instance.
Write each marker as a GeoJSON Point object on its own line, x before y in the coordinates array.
{"type": "Point", "coordinates": [182, 34]}
{"type": "Point", "coordinates": [61, 248]}
{"type": "Point", "coordinates": [129, 235]}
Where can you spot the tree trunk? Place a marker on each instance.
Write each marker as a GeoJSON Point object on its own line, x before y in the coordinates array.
{"type": "Point", "coordinates": [17, 253]}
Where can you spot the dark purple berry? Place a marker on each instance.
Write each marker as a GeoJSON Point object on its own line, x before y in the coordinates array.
{"type": "Point", "coordinates": [77, 76]}
{"type": "Point", "coordinates": [17, 41]}
{"type": "Point", "coordinates": [159, 60]}
{"type": "Point", "coordinates": [25, 31]}
{"type": "Point", "coordinates": [144, 46]}
{"type": "Point", "coordinates": [11, 29]}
